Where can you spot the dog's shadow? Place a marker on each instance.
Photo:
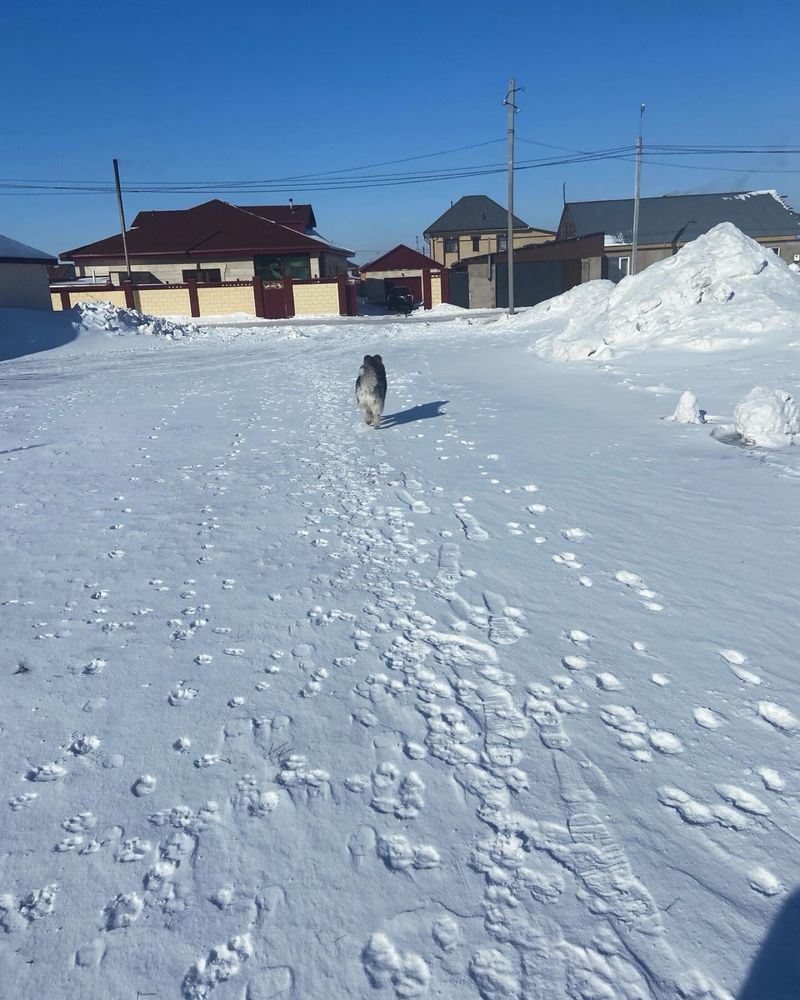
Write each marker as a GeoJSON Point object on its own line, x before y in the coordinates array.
{"type": "Point", "coordinates": [423, 412]}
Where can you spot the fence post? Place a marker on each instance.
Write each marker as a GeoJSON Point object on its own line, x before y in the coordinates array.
{"type": "Point", "coordinates": [288, 296]}
{"type": "Point", "coordinates": [427, 300]}
{"type": "Point", "coordinates": [194, 298]}
{"type": "Point", "coordinates": [258, 296]}
{"type": "Point", "coordinates": [341, 281]}
{"type": "Point", "coordinates": [130, 301]}
{"type": "Point", "coordinates": [65, 299]}
{"type": "Point", "coordinates": [352, 300]}
{"type": "Point", "coordinates": [445, 279]}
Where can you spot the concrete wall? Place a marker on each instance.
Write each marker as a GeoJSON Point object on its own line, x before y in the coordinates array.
{"type": "Point", "coordinates": [488, 243]}
{"type": "Point", "coordinates": [24, 286]}
{"type": "Point", "coordinates": [481, 287]}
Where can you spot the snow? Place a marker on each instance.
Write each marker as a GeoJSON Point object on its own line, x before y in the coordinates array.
{"type": "Point", "coordinates": [295, 708]}
{"type": "Point", "coordinates": [723, 290]}
{"type": "Point", "coordinates": [766, 417]}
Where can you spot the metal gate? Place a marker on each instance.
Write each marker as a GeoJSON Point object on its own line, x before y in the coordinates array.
{"type": "Point", "coordinates": [459, 288]}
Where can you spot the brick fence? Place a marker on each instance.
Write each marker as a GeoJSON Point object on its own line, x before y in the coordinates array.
{"type": "Point", "coordinates": [266, 299]}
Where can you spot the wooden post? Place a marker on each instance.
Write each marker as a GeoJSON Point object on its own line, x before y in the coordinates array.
{"type": "Point", "coordinates": [341, 281]}
{"type": "Point", "coordinates": [130, 299]}
{"type": "Point", "coordinates": [64, 293]}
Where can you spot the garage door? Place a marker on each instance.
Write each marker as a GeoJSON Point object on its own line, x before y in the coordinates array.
{"type": "Point", "coordinates": [414, 285]}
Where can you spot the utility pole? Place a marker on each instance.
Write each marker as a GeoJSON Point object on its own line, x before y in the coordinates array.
{"type": "Point", "coordinates": [512, 109]}
{"type": "Point", "coordinates": [635, 244]}
{"type": "Point", "coordinates": [122, 221]}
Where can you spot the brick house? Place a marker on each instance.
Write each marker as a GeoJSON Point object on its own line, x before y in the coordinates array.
{"type": "Point", "coordinates": [477, 225]}
{"type": "Point", "coordinates": [215, 242]}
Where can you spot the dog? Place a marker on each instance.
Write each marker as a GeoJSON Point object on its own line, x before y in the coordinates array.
{"type": "Point", "coordinates": [371, 389]}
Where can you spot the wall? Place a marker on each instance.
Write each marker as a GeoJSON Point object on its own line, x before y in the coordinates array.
{"type": "Point", "coordinates": [116, 298]}
{"type": "Point", "coordinates": [24, 286]}
{"type": "Point", "coordinates": [225, 300]}
{"type": "Point", "coordinates": [316, 299]}
{"type": "Point", "coordinates": [436, 290]}
{"type": "Point", "coordinates": [162, 301]}
{"type": "Point", "coordinates": [172, 273]}
{"type": "Point", "coordinates": [488, 244]}
{"type": "Point", "coordinates": [481, 287]}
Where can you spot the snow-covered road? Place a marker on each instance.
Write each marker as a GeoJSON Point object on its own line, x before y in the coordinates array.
{"type": "Point", "coordinates": [498, 701]}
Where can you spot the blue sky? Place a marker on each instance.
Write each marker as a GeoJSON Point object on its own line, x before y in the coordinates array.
{"type": "Point", "coordinates": [210, 92]}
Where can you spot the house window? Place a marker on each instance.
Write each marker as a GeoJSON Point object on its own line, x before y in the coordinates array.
{"type": "Point", "coordinates": [624, 264]}
{"type": "Point", "coordinates": [204, 276]}
{"type": "Point", "coordinates": [502, 242]}
{"type": "Point", "coordinates": [776, 250]}
{"type": "Point", "coordinates": [476, 244]}
{"type": "Point", "coordinates": [273, 268]}
{"type": "Point", "coordinates": [451, 244]}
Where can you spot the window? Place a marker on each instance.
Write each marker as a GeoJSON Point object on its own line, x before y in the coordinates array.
{"type": "Point", "coordinates": [476, 244]}
{"type": "Point", "coordinates": [273, 268]}
{"type": "Point", "coordinates": [204, 276]}
{"type": "Point", "coordinates": [502, 242]}
{"type": "Point", "coordinates": [137, 277]}
{"type": "Point", "coordinates": [624, 264]}
{"type": "Point", "coordinates": [776, 250]}
{"type": "Point", "coordinates": [451, 244]}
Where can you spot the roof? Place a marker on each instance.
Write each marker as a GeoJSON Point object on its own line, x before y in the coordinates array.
{"type": "Point", "coordinates": [474, 213]}
{"type": "Point", "coordinates": [299, 217]}
{"type": "Point", "coordinates": [401, 258]}
{"type": "Point", "coordinates": [13, 252]}
{"type": "Point", "coordinates": [680, 218]}
{"type": "Point", "coordinates": [213, 228]}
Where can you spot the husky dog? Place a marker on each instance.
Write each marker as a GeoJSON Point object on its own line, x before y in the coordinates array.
{"type": "Point", "coordinates": [371, 389]}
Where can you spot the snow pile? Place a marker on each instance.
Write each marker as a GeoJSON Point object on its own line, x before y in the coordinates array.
{"type": "Point", "coordinates": [121, 322]}
{"type": "Point", "coordinates": [721, 290]}
{"type": "Point", "coordinates": [687, 411]}
{"type": "Point", "coordinates": [767, 417]}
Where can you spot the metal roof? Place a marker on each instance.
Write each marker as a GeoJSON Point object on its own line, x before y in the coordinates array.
{"type": "Point", "coordinates": [680, 218]}
{"type": "Point", "coordinates": [11, 251]}
{"type": "Point", "coordinates": [215, 227]}
{"type": "Point", "coordinates": [401, 258]}
{"type": "Point", "coordinates": [474, 213]}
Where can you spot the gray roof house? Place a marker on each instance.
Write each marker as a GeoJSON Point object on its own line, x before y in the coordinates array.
{"type": "Point", "coordinates": [24, 280]}
{"type": "Point", "coordinates": [668, 222]}
{"type": "Point", "coordinates": [475, 225]}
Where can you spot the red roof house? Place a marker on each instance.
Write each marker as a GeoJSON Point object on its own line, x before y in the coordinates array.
{"type": "Point", "coordinates": [216, 241]}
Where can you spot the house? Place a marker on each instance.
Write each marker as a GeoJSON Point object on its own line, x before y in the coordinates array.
{"type": "Point", "coordinates": [23, 276]}
{"type": "Point", "coordinates": [215, 242]}
{"type": "Point", "coordinates": [477, 225]}
{"type": "Point", "coordinates": [541, 271]}
{"type": "Point", "coordinates": [425, 277]}
{"type": "Point", "coordinates": [668, 222]}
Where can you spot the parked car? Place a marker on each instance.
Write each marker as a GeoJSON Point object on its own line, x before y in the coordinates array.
{"type": "Point", "coordinates": [399, 299]}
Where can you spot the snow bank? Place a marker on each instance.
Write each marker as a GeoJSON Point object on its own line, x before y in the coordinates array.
{"type": "Point", "coordinates": [767, 417]}
{"type": "Point", "coordinates": [720, 291]}
{"type": "Point", "coordinates": [126, 322]}
{"type": "Point", "coordinates": [86, 327]}
{"type": "Point", "coordinates": [687, 411]}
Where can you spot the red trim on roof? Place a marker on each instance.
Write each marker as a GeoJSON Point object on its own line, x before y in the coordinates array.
{"type": "Point", "coordinates": [401, 258]}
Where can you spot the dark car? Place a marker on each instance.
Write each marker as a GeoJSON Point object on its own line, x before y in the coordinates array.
{"type": "Point", "coordinates": [399, 299]}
